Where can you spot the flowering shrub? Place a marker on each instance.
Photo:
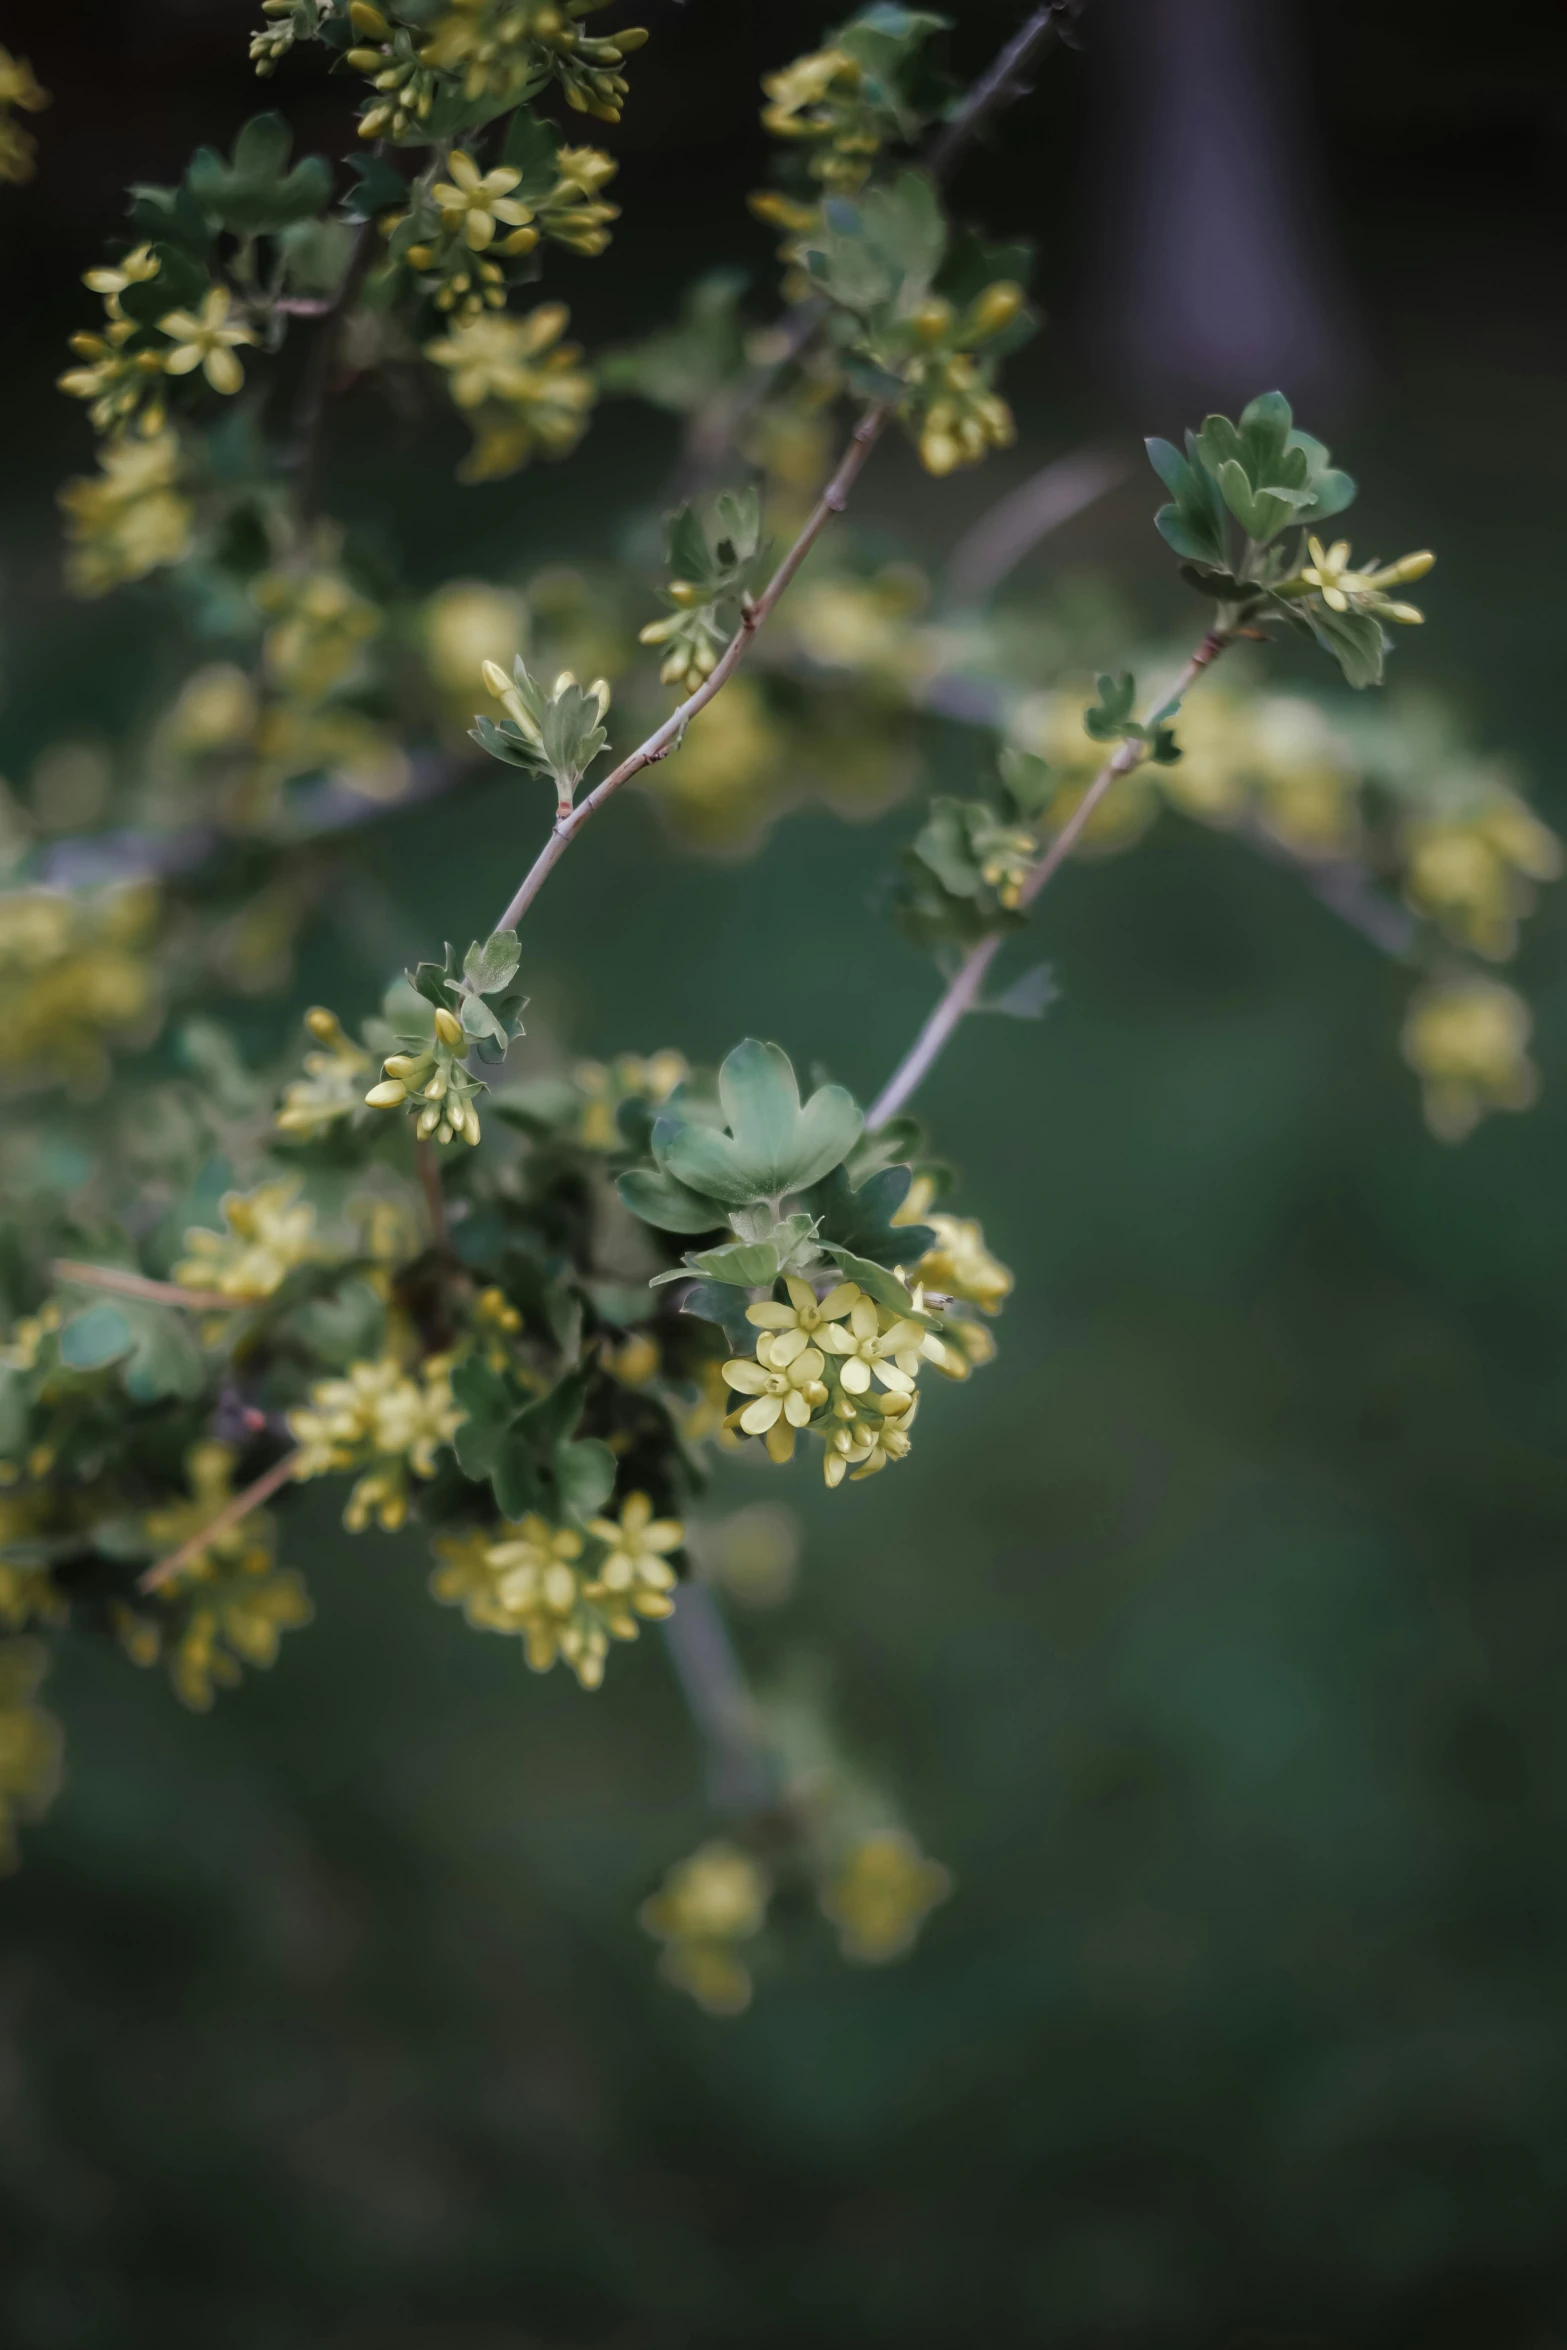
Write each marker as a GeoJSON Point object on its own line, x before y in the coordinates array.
{"type": "Point", "coordinates": [524, 1311]}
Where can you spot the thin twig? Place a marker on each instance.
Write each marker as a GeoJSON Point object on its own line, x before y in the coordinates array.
{"type": "Point", "coordinates": [963, 991]}
{"type": "Point", "coordinates": [665, 738]}
{"type": "Point", "coordinates": [154, 1293]}
{"type": "Point", "coordinates": [429, 1169]}
{"type": "Point", "coordinates": [718, 1697]}
{"type": "Point", "coordinates": [233, 1513]}
{"type": "Point", "coordinates": [1003, 83]}
{"type": "Point", "coordinates": [1014, 526]}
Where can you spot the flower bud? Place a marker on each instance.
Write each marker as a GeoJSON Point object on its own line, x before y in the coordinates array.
{"type": "Point", "coordinates": [323, 1024]}
{"type": "Point", "coordinates": [932, 319]}
{"type": "Point", "coordinates": [635, 36]}
{"type": "Point", "coordinates": [428, 1121]}
{"type": "Point", "coordinates": [368, 20]}
{"type": "Point", "coordinates": [447, 1026]}
{"type": "Point", "coordinates": [497, 680]}
{"type": "Point", "coordinates": [687, 594]}
{"type": "Point", "coordinates": [995, 308]}
{"type": "Point", "coordinates": [363, 60]}
{"type": "Point", "coordinates": [388, 1096]}
{"type": "Point", "coordinates": [403, 1065]}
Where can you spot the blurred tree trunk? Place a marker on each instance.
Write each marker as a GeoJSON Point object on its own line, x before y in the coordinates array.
{"type": "Point", "coordinates": [1220, 277]}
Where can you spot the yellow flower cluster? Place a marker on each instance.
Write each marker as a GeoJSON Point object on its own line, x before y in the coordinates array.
{"type": "Point", "coordinates": [519, 385]}
{"type": "Point", "coordinates": [880, 1896]}
{"type": "Point", "coordinates": [317, 621]}
{"type": "Point", "coordinates": [271, 1233]}
{"type": "Point", "coordinates": [494, 45]}
{"type": "Point", "coordinates": [30, 1742]}
{"type": "Point", "coordinates": [530, 1580]}
{"type": "Point", "coordinates": [1473, 871]}
{"type": "Point", "coordinates": [960, 1266]}
{"type": "Point", "coordinates": [707, 1905]}
{"type": "Point", "coordinates": [121, 385]}
{"type": "Point", "coordinates": [436, 1075]}
{"type": "Point", "coordinates": [332, 1086]}
{"type": "Point", "coordinates": [844, 1367]}
{"type": "Point", "coordinates": [604, 1085]}
{"type": "Point", "coordinates": [382, 1421]}
{"type": "Point", "coordinates": [129, 518]}
{"type": "Point", "coordinates": [76, 976]}
{"type": "Point", "coordinates": [824, 100]}
{"type": "Point", "coordinates": [1467, 1040]}
{"type": "Point", "coordinates": [235, 1603]}
{"type": "Point", "coordinates": [21, 90]}
{"type": "Point", "coordinates": [957, 416]}
{"type": "Point", "coordinates": [483, 223]}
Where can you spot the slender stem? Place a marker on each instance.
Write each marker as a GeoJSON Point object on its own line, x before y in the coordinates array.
{"type": "Point", "coordinates": [963, 991]}
{"type": "Point", "coordinates": [317, 383]}
{"type": "Point", "coordinates": [155, 1293]}
{"type": "Point", "coordinates": [666, 738]}
{"type": "Point", "coordinates": [718, 1698]}
{"type": "Point", "coordinates": [1003, 82]}
{"type": "Point", "coordinates": [429, 1170]}
{"type": "Point", "coordinates": [231, 1514]}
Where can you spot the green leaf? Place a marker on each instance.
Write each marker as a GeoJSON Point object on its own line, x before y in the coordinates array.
{"type": "Point", "coordinates": [92, 1340]}
{"type": "Point", "coordinates": [1030, 997]}
{"type": "Point", "coordinates": [381, 188]}
{"type": "Point", "coordinates": [256, 192]}
{"type": "Point", "coordinates": [489, 967]}
{"type": "Point", "coordinates": [170, 215]}
{"type": "Point", "coordinates": [689, 554]}
{"type": "Point", "coordinates": [515, 1479]}
{"type": "Point", "coordinates": [1355, 640]}
{"type": "Point", "coordinates": [862, 1220]}
{"type": "Point", "coordinates": [748, 1264]}
{"type": "Point", "coordinates": [773, 1145]}
{"type": "Point", "coordinates": [659, 1200]}
{"type": "Point", "coordinates": [1029, 779]}
{"type": "Point", "coordinates": [166, 1356]}
{"type": "Point", "coordinates": [875, 1280]}
{"type": "Point", "coordinates": [716, 1302]}
{"type": "Point", "coordinates": [533, 148]}
{"type": "Point", "coordinates": [584, 1478]}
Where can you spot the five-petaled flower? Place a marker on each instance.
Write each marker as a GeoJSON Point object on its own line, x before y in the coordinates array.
{"type": "Point", "coordinates": [207, 340]}
{"type": "Point", "coordinates": [891, 1355]}
{"type": "Point", "coordinates": [479, 202]}
{"type": "Point", "coordinates": [1344, 589]}
{"type": "Point", "coordinates": [787, 1386]}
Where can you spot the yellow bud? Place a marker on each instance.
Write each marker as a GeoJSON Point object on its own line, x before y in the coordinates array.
{"type": "Point", "coordinates": [428, 1121]}
{"type": "Point", "coordinates": [447, 1026]}
{"type": "Point", "coordinates": [420, 256]}
{"type": "Point", "coordinates": [375, 122]}
{"type": "Point", "coordinates": [686, 594]}
{"type": "Point", "coordinates": [932, 319]}
{"type": "Point", "coordinates": [497, 680]}
{"type": "Point", "coordinates": [995, 308]}
{"type": "Point", "coordinates": [323, 1024]}
{"type": "Point", "coordinates": [566, 678]}
{"type": "Point", "coordinates": [1407, 568]}
{"type": "Point", "coordinates": [635, 36]}
{"type": "Point", "coordinates": [366, 19]}
{"type": "Point", "coordinates": [404, 1065]}
{"type": "Point", "coordinates": [387, 1096]}
{"type": "Point", "coordinates": [599, 689]}
{"type": "Point", "coordinates": [521, 240]}
{"type": "Point", "coordinates": [436, 1090]}
{"type": "Point", "coordinates": [363, 60]}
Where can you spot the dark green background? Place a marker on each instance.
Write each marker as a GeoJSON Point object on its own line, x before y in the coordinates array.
{"type": "Point", "coordinates": [1216, 1638]}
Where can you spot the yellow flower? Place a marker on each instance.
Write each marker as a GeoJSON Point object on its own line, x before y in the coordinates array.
{"type": "Point", "coordinates": [1344, 589]}
{"type": "Point", "coordinates": [960, 1265]}
{"type": "Point", "coordinates": [959, 418]}
{"type": "Point", "coordinates": [706, 1904]}
{"type": "Point", "coordinates": [492, 358]}
{"type": "Point", "coordinates": [521, 386]}
{"type": "Point", "coordinates": [20, 86]}
{"type": "Point", "coordinates": [75, 976]}
{"type": "Point", "coordinates": [1472, 872]}
{"type": "Point", "coordinates": [1468, 1042]}
{"type": "Point", "coordinates": [805, 1312]}
{"type": "Point", "coordinates": [271, 1232]}
{"type": "Point", "coordinates": [319, 621]}
{"type": "Point", "coordinates": [207, 340]}
{"type": "Point", "coordinates": [129, 519]}
{"type": "Point", "coordinates": [636, 1569]}
{"type": "Point", "coordinates": [137, 268]}
{"type": "Point", "coordinates": [881, 1896]}
{"type": "Point", "coordinates": [867, 1349]}
{"type": "Point", "coordinates": [333, 1083]}
{"type": "Point", "coordinates": [241, 1601]}
{"type": "Point", "coordinates": [465, 624]}
{"type": "Point", "coordinates": [477, 202]}
{"type": "Point", "coordinates": [383, 1421]}
{"type": "Point", "coordinates": [872, 1433]}
{"type": "Point", "coordinates": [787, 1387]}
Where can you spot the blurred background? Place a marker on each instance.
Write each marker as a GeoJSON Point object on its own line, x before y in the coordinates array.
{"type": "Point", "coordinates": [1215, 1640]}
